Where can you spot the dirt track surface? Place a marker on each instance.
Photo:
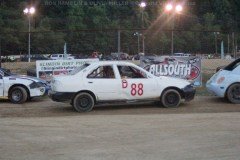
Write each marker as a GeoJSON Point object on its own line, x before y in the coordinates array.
{"type": "Point", "coordinates": [206, 128]}
{"type": "Point", "coordinates": [48, 108]}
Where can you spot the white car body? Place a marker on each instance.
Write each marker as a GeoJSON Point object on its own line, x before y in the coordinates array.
{"type": "Point", "coordinates": [61, 57]}
{"type": "Point", "coordinates": [219, 83]}
{"type": "Point", "coordinates": [65, 88]}
{"type": "Point", "coordinates": [34, 86]}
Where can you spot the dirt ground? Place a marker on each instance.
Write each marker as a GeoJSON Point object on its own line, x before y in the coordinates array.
{"type": "Point", "coordinates": [206, 128]}
{"type": "Point", "coordinates": [45, 107]}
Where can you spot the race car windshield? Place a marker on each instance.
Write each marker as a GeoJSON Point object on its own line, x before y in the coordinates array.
{"type": "Point", "coordinates": [78, 69]}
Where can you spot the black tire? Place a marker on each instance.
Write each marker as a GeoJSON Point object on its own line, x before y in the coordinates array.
{"type": "Point", "coordinates": [29, 99]}
{"type": "Point", "coordinates": [171, 98]}
{"type": "Point", "coordinates": [233, 93]}
{"type": "Point", "coordinates": [18, 95]}
{"type": "Point", "coordinates": [83, 102]}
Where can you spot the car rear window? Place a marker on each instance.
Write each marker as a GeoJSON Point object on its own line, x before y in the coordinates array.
{"type": "Point", "coordinates": [232, 65]}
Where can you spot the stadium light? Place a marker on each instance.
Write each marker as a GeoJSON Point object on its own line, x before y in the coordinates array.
{"type": "Point", "coordinates": [29, 11]}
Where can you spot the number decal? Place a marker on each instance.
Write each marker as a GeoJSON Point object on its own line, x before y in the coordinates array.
{"type": "Point", "coordinates": [137, 89]}
{"type": "Point", "coordinates": [124, 84]}
{"type": "Point", "coordinates": [133, 89]}
{"type": "Point", "coordinates": [140, 89]}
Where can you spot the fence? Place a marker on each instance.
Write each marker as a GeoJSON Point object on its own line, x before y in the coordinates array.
{"type": "Point", "coordinates": [131, 41]}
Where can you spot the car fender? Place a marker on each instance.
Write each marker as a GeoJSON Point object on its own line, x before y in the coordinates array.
{"type": "Point", "coordinates": [230, 80]}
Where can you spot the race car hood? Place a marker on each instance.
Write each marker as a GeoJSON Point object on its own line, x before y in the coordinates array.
{"type": "Point", "coordinates": [34, 79]}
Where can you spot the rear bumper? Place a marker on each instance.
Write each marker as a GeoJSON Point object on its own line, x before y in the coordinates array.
{"type": "Point", "coordinates": [216, 89]}
{"type": "Point", "coordinates": [61, 96]}
{"type": "Point", "coordinates": [189, 93]}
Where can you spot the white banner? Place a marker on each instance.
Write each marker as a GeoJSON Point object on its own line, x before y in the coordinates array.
{"type": "Point", "coordinates": [45, 69]}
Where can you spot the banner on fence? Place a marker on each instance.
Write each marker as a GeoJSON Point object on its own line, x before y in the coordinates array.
{"type": "Point", "coordinates": [45, 69]}
{"type": "Point", "coordinates": [188, 68]}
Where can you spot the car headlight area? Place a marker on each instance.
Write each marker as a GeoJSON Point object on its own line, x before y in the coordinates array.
{"type": "Point", "coordinates": [37, 85]}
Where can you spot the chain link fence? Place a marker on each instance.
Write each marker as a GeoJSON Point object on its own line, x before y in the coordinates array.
{"type": "Point", "coordinates": [82, 44]}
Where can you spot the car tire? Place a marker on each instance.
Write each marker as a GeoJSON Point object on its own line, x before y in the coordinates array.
{"type": "Point", "coordinates": [29, 99]}
{"type": "Point", "coordinates": [233, 93]}
{"type": "Point", "coordinates": [18, 95]}
{"type": "Point", "coordinates": [171, 98]}
{"type": "Point", "coordinates": [83, 102]}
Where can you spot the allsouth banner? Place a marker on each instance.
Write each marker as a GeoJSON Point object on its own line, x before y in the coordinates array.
{"type": "Point", "coordinates": [188, 68]}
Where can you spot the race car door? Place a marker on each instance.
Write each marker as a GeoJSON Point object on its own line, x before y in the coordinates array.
{"type": "Point", "coordinates": [1, 83]}
{"type": "Point", "coordinates": [136, 84]}
{"type": "Point", "coordinates": [103, 82]}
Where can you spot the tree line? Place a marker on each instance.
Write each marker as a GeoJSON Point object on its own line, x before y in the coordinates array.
{"type": "Point", "coordinates": [88, 27]}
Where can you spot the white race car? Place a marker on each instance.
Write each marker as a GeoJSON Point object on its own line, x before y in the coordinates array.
{"type": "Point", "coordinates": [112, 81]}
{"type": "Point", "coordinates": [19, 88]}
{"type": "Point", "coordinates": [226, 82]}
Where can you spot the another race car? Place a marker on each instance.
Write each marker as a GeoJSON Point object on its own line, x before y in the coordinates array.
{"type": "Point", "coordinates": [226, 82]}
{"type": "Point", "coordinates": [19, 88]}
{"type": "Point", "coordinates": [117, 82]}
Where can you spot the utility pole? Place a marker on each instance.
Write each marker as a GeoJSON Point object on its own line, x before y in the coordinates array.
{"type": "Point", "coordinates": [29, 39]}
{"type": "Point", "coordinates": [173, 9]}
{"type": "Point", "coordinates": [143, 39]}
{"type": "Point", "coordinates": [119, 41]}
{"type": "Point", "coordinates": [138, 42]}
{"type": "Point", "coordinates": [138, 36]}
{"type": "Point", "coordinates": [0, 51]}
{"type": "Point", "coordinates": [29, 12]}
{"type": "Point", "coordinates": [216, 42]}
{"type": "Point", "coordinates": [172, 39]}
{"type": "Point", "coordinates": [228, 44]}
{"type": "Point", "coordinates": [142, 6]}
{"type": "Point", "coordinates": [233, 45]}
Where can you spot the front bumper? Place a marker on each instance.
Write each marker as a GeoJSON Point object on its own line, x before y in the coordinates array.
{"type": "Point", "coordinates": [36, 92]}
{"type": "Point", "coordinates": [61, 96]}
{"type": "Point", "coordinates": [189, 93]}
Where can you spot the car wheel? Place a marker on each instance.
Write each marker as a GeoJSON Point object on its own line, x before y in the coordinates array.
{"type": "Point", "coordinates": [233, 93]}
{"type": "Point", "coordinates": [171, 98]}
{"type": "Point", "coordinates": [83, 102]}
{"type": "Point", "coordinates": [18, 95]}
{"type": "Point", "coordinates": [29, 99]}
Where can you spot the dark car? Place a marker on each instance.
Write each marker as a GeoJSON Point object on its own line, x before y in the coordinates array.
{"type": "Point", "coordinates": [34, 57]}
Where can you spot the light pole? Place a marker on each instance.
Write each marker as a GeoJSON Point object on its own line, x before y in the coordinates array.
{"type": "Point", "coordinates": [138, 35]}
{"type": "Point", "coordinates": [173, 8]}
{"type": "Point", "coordinates": [29, 12]}
{"type": "Point", "coordinates": [142, 6]}
{"type": "Point", "coordinates": [0, 51]}
{"type": "Point", "coordinates": [216, 40]}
